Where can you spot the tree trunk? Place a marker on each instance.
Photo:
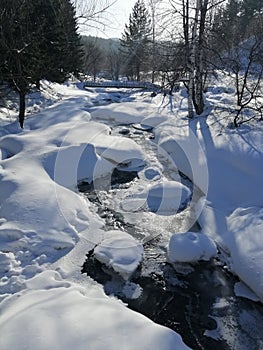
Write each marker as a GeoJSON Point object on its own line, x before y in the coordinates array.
{"type": "Point", "coordinates": [190, 97]}
{"type": "Point", "coordinates": [199, 78]}
{"type": "Point", "coordinates": [198, 93]}
{"type": "Point", "coordinates": [22, 108]}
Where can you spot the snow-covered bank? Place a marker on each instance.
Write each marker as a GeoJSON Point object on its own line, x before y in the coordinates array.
{"type": "Point", "coordinates": [226, 164]}
{"type": "Point", "coordinates": [46, 228]}
{"type": "Point", "coordinates": [65, 316]}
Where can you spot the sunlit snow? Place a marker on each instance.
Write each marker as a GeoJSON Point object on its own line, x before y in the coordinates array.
{"type": "Point", "coordinates": [47, 227]}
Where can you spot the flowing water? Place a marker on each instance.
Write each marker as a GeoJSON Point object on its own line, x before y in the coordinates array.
{"type": "Point", "coordinates": [195, 300]}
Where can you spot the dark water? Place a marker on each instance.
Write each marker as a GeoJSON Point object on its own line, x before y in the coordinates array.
{"type": "Point", "coordinates": [195, 300]}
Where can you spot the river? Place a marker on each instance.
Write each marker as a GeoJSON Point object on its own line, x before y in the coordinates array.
{"type": "Point", "coordinates": [196, 300]}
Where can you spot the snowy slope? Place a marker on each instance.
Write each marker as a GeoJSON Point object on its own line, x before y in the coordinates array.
{"type": "Point", "coordinates": [227, 165]}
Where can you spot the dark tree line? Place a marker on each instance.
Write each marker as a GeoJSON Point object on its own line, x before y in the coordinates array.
{"type": "Point", "coordinates": [38, 40]}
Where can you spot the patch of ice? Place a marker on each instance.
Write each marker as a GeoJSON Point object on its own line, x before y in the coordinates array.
{"type": "Point", "coordinates": [132, 290]}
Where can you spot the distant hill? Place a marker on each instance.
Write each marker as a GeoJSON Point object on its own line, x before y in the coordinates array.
{"type": "Point", "coordinates": [105, 44]}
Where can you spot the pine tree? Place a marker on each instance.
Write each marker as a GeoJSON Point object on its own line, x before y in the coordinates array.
{"type": "Point", "coordinates": [135, 41]}
{"type": "Point", "coordinates": [38, 39]}
{"type": "Point", "coordinates": [61, 45]}
{"type": "Point", "coordinates": [18, 48]}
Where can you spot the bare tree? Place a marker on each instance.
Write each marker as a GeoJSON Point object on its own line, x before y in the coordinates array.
{"type": "Point", "coordinates": [247, 69]}
{"type": "Point", "coordinates": [93, 56]}
{"type": "Point", "coordinates": [195, 28]}
{"type": "Point", "coordinates": [113, 62]}
{"type": "Point", "coordinates": [93, 13]}
{"type": "Point", "coordinates": [240, 55]}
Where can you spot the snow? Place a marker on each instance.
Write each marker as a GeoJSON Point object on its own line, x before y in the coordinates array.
{"type": "Point", "coordinates": [150, 173]}
{"type": "Point", "coordinates": [190, 247]}
{"type": "Point", "coordinates": [67, 317]}
{"type": "Point", "coordinates": [154, 120]}
{"type": "Point", "coordinates": [180, 145]}
{"type": "Point", "coordinates": [226, 165]}
{"type": "Point", "coordinates": [47, 228]}
{"type": "Point", "coordinates": [120, 251]}
{"type": "Point", "coordinates": [165, 197]}
{"type": "Point", "coordinates": [242, 290]}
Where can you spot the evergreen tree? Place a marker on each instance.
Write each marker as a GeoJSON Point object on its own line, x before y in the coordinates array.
{"type": "Point", "coordinates": [38, 39]}
{"type": "Point", "coordinates": [61, 45]}
{"type": "Point", "coordinates": [18, 48]}
{"type": "Point", "coordinates": [251, 16]}
{"type": "Point", "coordinates": [236, 22]}
{"type": "Point", "coordinates": [135, 41]}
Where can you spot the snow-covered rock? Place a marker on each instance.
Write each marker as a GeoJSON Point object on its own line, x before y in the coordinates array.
{"type": "Point", "coordinates": [190, 247]}
{"type": "Point", "coordinates": [164, 198]}
{"type": "Point", "coordinates": [120, 251]}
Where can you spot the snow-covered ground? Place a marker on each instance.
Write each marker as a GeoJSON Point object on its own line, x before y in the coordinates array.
{"type": "Point", "coordinates": [47, 227]}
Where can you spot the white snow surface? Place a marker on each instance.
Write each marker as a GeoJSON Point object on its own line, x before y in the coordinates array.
{"type": "Point", "coordinates": [190, 247]}
{"type": "Point", "coordinates": [165, 197]}
{"type": "Point", "coordinates": [61, 316]}
{"type": "Point", "coordinates": [120, 251]}
{"type": "Point", "coordinates": [226, 164]}
{"type": "Point", "coordinates": [47, 228]}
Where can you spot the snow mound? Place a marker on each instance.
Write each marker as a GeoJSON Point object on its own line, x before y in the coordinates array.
{"type": "Point", "coordinates": [154, 120]}
{"type": "Point", "coordinates": [120, 251]}
{"type": "Point", "coordinates": [120, 150]}
{"type": "Point", "coordinates": [246, 225]}
{"type": "Point", "coordinates": [130, 112]}
{"type": "Point", "coordinates": [70, 164]}
{"type": "Point", "coordinates": [190, 247]}
{"type": "Point", "coordinates": [240, 235]}
{"type": "Point", "coordinates": [242, 290]}
{"type": "Point", "coordinates": [8, 264]}
{"type": "Point", "coordinates": [65, 318]}
{"type": "Point", "coordinates": [165, 198]}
